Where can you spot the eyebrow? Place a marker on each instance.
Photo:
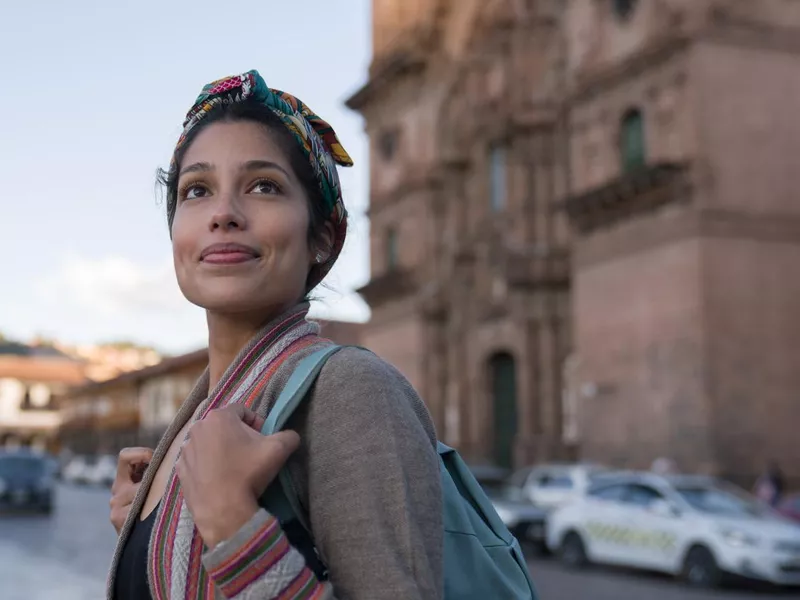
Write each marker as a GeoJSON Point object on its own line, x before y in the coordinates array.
{"type": "Point", "coordinates": [200, 167]}
{"type": "Point", "coordinates": [256, 165]}
{"type": "Point", "coordinates": [250, 165]}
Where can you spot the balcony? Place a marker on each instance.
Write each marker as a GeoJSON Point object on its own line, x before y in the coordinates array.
{"type": "Point", "coordinates": [635, 193]}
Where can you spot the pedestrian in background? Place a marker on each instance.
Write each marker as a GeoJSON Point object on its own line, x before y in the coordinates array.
{"type": "Point", "coordinates": [770, 486]}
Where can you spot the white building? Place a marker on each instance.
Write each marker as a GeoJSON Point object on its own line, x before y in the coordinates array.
{"type": "Point", "coordinates": [30, 386]}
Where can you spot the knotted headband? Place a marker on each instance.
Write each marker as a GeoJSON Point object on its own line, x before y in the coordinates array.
{"type": "Point", "coordinates": [315, 136]}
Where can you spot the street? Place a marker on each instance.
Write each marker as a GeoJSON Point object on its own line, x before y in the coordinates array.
{"type": "Point", "coordinates": [65, 557]}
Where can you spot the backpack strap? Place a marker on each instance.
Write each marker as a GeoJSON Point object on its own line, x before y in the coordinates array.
{"type": "Point", "coordinates": [295, 390]}
{"type": "Point", "coordinates": [281, 498]}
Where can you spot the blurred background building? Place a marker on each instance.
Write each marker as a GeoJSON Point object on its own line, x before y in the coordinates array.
{"type": "Point", "coordinates": [32, 379]}
{"type": "Point", "coordinates": [585, 226]}
{"type": "Point", "coordinates": [136, 407]}
{"type": "Point", "coordinates": [133, 409]}
{"type": "Point", "coordinates": [96, 400]}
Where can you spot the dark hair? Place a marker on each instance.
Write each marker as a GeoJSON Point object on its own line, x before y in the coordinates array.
{"type": "Point", "coordinates": [260, 114]}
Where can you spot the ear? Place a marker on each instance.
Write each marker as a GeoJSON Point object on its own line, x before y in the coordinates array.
{"type": "Point", "coordinates": [321, 251]}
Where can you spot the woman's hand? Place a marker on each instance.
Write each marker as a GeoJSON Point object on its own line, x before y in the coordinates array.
{"type": "Point", "coordinates": [130, 467]}
{"type": "Point", "coordinates": [224, 467]}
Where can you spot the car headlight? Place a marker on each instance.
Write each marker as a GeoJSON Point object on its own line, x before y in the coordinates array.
{"type": "Point", "coordinates": [738, 538]}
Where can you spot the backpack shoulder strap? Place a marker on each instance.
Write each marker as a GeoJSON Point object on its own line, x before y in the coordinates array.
{"type": "Point", "coordinates": [295, 390]}
{"type": "Point", "coordinates": [282, 500]}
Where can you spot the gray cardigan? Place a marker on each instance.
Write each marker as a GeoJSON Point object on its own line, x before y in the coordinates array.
{"type": "Point", "coordinates": [366, 471]}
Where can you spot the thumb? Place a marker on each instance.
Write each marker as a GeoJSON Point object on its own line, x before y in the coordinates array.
{"type": "Point", "coordinates": [276, 450]}
{"type": "Point", "coordinates": [285, 442]}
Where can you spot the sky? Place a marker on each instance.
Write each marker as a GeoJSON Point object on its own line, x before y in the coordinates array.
{"type": "Point", "coordinates": [92, 97]}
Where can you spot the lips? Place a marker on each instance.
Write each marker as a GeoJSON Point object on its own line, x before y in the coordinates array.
{"type": "Point", "coordinates": [228, 253]}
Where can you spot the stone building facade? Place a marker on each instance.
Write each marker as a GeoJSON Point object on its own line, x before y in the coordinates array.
{"type": "Point", "coordinates": [470, 263]}
{"type": "Point", "coordinates": [685, 307]}
{"type": "Point", "coordinates": [585, 225]}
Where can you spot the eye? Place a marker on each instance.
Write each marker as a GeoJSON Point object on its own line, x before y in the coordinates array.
{"type": "Point", "coordinates": [266, 186]}
{"type": "Point", "coordinates": [194, 190]}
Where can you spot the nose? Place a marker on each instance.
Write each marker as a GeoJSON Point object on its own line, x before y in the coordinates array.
{"type": "Point", "coordinates": [227, 215]}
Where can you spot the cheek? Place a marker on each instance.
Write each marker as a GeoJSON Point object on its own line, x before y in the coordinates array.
{"type": "Point", "coordinates": [183, 245]}
{"type": "Point", "coordinates": [184, 235]}
{"type": "Point", "coordinates": [287, 233]}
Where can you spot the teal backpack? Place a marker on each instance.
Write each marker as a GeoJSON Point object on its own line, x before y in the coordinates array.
{"type": "Point", "coordinates": [482, 560]}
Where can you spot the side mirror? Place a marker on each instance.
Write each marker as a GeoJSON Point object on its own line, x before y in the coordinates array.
{"type": "Point", "coordinates": [662, 508]}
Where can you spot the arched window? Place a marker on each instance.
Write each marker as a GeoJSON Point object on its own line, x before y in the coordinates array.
{"type": "Point", "coordinates": [503, 382]}
{"type": "Point", "coordinates": [632, 141]}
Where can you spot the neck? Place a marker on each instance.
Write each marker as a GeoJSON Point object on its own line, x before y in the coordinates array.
{"type": "Point", "coordinates": [227, 336]}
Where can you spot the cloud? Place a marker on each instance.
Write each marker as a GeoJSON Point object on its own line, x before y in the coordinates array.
{"type": "Point", "coordinates": [116, 286]}
{"type": "Point", "coordinates": [113, 298]}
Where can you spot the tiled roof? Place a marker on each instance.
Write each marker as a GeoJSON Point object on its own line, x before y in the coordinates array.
{"type": "Point", "coordinates": [41, 369]}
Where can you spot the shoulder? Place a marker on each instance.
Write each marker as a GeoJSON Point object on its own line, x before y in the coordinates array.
{"type": "Point", "coordinates": [357, 386]}
{"type": "Point", "coordinates": [353, 365]}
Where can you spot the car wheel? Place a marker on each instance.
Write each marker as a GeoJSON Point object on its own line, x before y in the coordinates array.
{"type": "Point", "coordinates": [700, 569]}
{"type": "Point", "coordinates": [573, 552]}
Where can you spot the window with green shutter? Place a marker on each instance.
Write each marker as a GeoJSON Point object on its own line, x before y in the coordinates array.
{"type": "Point", "coordinates": [632, 141]}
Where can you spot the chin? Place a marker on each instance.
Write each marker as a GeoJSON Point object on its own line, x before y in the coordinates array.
{"type": "Point", "coordinates": [229, 298]}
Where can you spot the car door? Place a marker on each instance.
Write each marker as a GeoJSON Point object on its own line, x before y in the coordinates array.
{"type": "Point", "coordinates": [656, 528]}
{"type": "Point", "coordinates": [604, 523]}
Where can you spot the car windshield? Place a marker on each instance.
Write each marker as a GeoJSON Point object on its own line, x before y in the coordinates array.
{"type": "Point", "coordinates": [723, 500]}
{"type": "Point", "coordinates": [17, 467]}
{"type": "Point", "coordinates": [501, 490]}
{"type": "Point", "coordinates": [599, 478]}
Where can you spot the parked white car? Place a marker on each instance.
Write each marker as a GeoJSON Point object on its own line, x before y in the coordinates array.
{"type": "Point", "coordinates": [688, 526]}
{"type": "Point", "coordinates": [525, 521]}
{"type": "Point", "coordinates": [551, 486]}
{"type": "Point", "coordinates": [77, 470]}
{"type": "Point", "coordinates": [103, 471]}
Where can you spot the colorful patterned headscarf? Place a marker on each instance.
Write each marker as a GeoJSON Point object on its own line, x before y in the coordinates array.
{"type": "Point", "coordinates": [315, 136]}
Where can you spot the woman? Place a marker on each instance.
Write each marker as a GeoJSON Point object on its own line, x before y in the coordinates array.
{"type": "Point", "coordinates": [256, 219]}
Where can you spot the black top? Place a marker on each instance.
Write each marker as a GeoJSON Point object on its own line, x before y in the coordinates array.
{"type": "Point", "coordinates": [131, 581]}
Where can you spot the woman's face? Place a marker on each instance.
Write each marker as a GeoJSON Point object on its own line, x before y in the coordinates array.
{"type": "Point", "coordinates": [239, 236]}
